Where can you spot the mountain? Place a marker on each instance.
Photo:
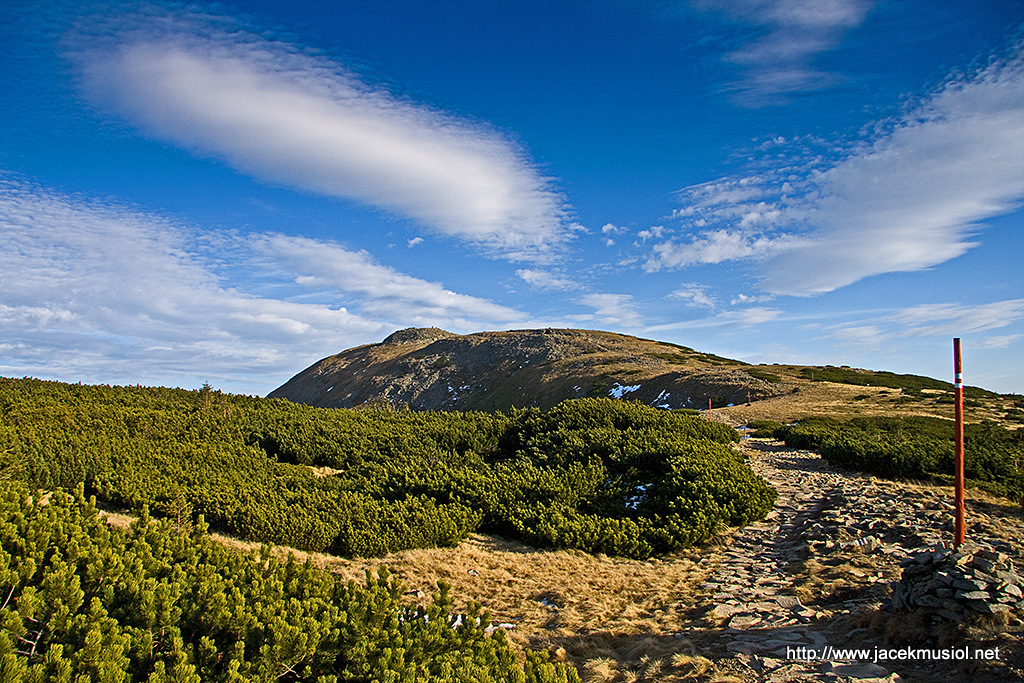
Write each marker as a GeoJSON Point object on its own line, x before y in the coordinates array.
{"type": "Point", "coordinates": [431, 369]}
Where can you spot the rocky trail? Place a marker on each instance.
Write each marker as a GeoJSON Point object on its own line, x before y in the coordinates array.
{"type": "Point", "coordinates": [793, 594]}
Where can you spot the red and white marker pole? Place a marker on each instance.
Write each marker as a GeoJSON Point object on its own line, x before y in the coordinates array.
{"type": "Point", "coordinates": [958, 460]}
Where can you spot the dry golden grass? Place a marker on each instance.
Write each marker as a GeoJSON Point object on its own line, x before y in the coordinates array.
{"type": "Point", "coordinates": [324, 471]}
{"type": "Point", "coordinates": [829, 399]}
{"type": "Point", "coordinates": [548, 594]}
{"type": "Point", "coordinates": [117, 520]}
{"type": "Point", "coordinates": [842, 575]}
{"type": "Point", "coordinates": [845, 401]}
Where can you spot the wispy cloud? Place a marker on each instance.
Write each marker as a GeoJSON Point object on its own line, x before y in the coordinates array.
{"type": "Point", "coordinates": [715, 247]}
{"type": "Point", "coordinates": [781, 61]}
{"type": "Point", "coordinates": [382, 293]}
{"type": "Point", "coordinates": [284, 116]}
{"type": "Point", "coordinates": [543, 279]}
{"type": "Point", "coordinates": [913, 197]}
{"type": "Point", "coordinates": [746, 299]}
{"type": "Point", "coordinates": [937, 320]}
{"type": "Point", "coordinates": [614, 311]}
{"type": "Point", "coordinates": [695, 295]}
{"type": "Point", "coordinates": [951, 319]}
{"type": "Point", "coordinates": [609, 229]}
{"type": "Point", "coordinates": [910, 197]}
{"type": "Point", "coordinates": [655, 231]}
{"type": "Point", "coordinates": [99, 292]}
{"type": "Point", "coordinates": [1003, 341]}
{"type": "Point", "coordinates": [750, 316]}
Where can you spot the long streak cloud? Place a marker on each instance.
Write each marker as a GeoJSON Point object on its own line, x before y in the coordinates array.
{"type": "Point", "coordinates": [287, 117]}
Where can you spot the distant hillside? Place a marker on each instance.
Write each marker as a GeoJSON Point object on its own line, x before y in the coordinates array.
{"type": "Point", "coordinates": [430, 369]}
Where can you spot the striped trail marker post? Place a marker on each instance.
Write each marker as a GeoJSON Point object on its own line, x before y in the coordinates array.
{"type": "Point", "coordinates": [958, 460]}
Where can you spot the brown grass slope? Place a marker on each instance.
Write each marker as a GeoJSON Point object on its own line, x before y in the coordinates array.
{"type": "Point", "coordinates": [430, 369]}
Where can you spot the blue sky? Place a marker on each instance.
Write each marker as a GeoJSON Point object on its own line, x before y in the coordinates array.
{"type": "Point", "coordinates": [228, 192]}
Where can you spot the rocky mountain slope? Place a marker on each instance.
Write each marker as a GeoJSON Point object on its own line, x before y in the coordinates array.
{"type": "Point", "coordinates": [431, 369]}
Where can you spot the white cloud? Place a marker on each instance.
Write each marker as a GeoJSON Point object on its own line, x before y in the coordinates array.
{"type": "Point", "coordinates": [746, 299]}
{"type": "Point", "coordinates": [715, 247]}
{"type": "Point", "coordinates": [781, 61]}
{"type": "Point", "coordinates": [652, 232]}
{"type": "Point", "coordinates": [611, 310]}
{"type": "Point", "coordinates": [909, 198]}
{"type": "Point", "coordinates": [101, 293]}
{"type": "Point", "coordinates": [748, 317]}
{"type": "Point", "coordinates": [542, 279]}
{"type": "Point", "coordinates": [870, 336]}
{"type": "Point", "coordinates": [414, 241]}
{"type": "Point", "coordinates": [913, 198]}
{"type": "Point", "coordinates": [997, 342]}
{"type": "Point", "coordinates": [287, 117]}
{"type": "Point", "coordinates": [739, 318]}
{"type": "Point", "coordinates": [382, 292]}
{"type": "Point", "coordinates": [953, 320]}
{"type": "Point", "coordinates": [937, 320]}
{"type": "Point", "coordinates": [695, 294]}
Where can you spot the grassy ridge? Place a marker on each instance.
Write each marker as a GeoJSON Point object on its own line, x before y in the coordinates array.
{"type": "Point", "coordinates": [596, 475]}
{"type": "Point", "coordinates": [910, 384]}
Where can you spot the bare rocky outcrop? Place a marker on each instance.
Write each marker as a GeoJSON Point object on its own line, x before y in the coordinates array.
{"type": "Point", "coordinates": [431, 369]}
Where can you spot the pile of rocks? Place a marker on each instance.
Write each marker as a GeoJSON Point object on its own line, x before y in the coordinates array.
{"type": "Point", "coordinates": [955, 583]}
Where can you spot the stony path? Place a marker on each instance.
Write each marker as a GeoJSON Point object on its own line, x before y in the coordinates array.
{"type": "Point", "coordinates": [863, 525]}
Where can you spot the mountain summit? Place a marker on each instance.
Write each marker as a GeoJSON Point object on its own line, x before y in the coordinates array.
{"type": "Point", "coordinates": [431, 369]}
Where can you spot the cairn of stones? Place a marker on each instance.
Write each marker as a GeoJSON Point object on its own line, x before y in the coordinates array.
{"type": "Point", "coordinates": [955, 583]}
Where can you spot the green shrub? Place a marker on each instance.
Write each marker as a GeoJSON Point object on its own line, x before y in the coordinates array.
{"type": "Point", "coordinates": [764, 429]}
{"type": "Point", "coordinates": [594, 474]}
{"type": "Point", "coordinates": [916, 447]}
{"type": "Point", "coordinates": [162, 602]}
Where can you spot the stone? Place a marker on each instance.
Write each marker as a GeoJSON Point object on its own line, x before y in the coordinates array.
{"type": "Point", "coordinates": [930, 601]}
{"type": "Point", "coordinates": [855, 670]}
{"type": "Point", "coordinates": [979, 575]}
{"type": "Point", "coordinates": [985, 607]}
{"type": "Point", "coordinates": [971, 595]}
{"type": "Point", "coordinates": [983, 563]}
{"type": "Point", "coordinates": [744, 647]}
{"type": "Point", "coordinates": [970, 584]}
{"type": "Point", "coordinates": [792, 602]}
{"type": "Point", "coordinates": [1011, 590]}
{"type": "Point", "coordinates": [1008, 577]}
{"type": "Point", "coordinates": [744, 621]}
{"type": "Point", "coordinates": [992, 555]}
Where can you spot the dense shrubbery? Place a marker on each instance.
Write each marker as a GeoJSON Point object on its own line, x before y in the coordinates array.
{"type": "Point", "coordinates": [916, 447]}
{"type": "Point", "coordinates": [910, 384]}
{"type": "Point", "coordinates": [164, 604]}
{"type": "Point", "coordinates": [594, 474]}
